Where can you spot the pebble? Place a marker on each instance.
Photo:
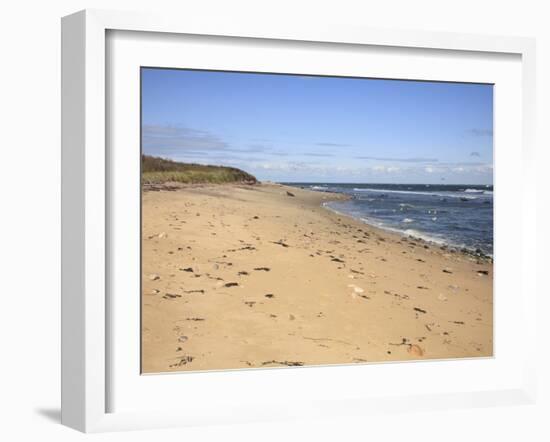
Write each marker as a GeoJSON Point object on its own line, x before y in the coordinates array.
{"type": "Point", "coordinates": [355, 288]}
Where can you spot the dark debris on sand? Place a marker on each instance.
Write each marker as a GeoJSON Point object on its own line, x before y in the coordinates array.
{"type": "Point", "coordinates": [287, 363]}
{"type": "Point", "coordinates": [280, 243]}
{"type": "Point", "coordinates": [183, 361]}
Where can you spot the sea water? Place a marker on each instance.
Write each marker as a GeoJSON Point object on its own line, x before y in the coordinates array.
{"type": "Point", "coordinates": [455, 215]}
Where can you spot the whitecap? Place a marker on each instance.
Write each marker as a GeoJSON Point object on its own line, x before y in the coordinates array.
{"type": "Point", "coordinates": [443, 194]}
{"type": "Point", "coordinates": [425, 237]}
{"type": "Point", "coordinates": [474, 191]}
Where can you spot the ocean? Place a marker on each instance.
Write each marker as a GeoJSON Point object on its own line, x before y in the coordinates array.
{"type": "Point", "coordinates": [459, 216]}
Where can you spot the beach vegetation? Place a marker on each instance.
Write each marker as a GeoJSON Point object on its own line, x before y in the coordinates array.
{"type": "Point", "coordinates": [155, 170]}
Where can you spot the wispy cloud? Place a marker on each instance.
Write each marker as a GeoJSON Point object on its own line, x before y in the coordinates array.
{"type": "Point", "coordinates": [275, 159]}
{"type": "Point", "coordinates": [327, 144]}
{"type": "Point", "coordinates": [183, 142]}
{"type": "Point", "coordinates": [462, 163]}
{"type": "Point", "coordinates": [318, 154]}
{"type": "Point", "coordinates": [175, 138]}
{"type": "Point", "coordinates": [478, 132]}
{"type": "Point", "coordinates": [306, 169]}
{"type": "Point", "coordinates": [277, 153]}
{"type": "Point", "coordinates": [399, 160]}
{"type": "Point", "coordinates": [386, 169]}
{"type": "Point", "coordinates": [459, 167]}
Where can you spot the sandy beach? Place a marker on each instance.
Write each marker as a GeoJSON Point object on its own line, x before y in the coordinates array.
{"type": "Point", "coordinates": [250, 276]}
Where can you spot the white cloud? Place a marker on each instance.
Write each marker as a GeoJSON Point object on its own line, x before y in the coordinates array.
{"type": "Point", "coordinates": [385, 169]}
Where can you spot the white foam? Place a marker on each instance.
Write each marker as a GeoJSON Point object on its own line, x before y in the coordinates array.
{"type": "Point", "coordinates": [474, 191]}
{"type": "Point", "coordinates": [414, 192]}
{"type": "Point", "coordinates": [425, 237]}
{"type": "Point", "coordinates": [403, 232]}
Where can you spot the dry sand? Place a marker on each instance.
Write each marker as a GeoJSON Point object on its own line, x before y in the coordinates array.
{"type": "Point", "coordinates": [248, 276]}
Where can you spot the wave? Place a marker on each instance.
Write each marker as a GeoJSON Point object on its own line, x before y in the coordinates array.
{"type": "Point", "coordinates": [410, 232]}
{"type": "Point", "coordinates": [474, 191]}
{"type": "Point", "coordinates": [479, 191]}
{"type": "Point", "coordinates": [383, 226]}
{"type": "Point", "coordinates": [408, 220]}
{"type": "Point", "coordinates": [414, 192]}
{"type": "Point", "coordinates": [425, 237]}
{"type": "Point", "coordinates": [407, 232]}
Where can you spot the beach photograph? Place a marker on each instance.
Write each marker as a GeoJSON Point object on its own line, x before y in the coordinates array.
{"type": "Point", "coordinates": [300, 220]}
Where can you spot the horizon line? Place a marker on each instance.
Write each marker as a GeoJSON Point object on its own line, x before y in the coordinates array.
{"type": "Point", "coordinates": [372, 182]}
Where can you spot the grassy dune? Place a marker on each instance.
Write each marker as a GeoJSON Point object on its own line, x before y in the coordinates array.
{"type": "Point", "coordinates": [158, 171]}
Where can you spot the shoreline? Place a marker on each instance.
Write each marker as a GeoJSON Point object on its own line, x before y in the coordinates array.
{"type": "Point", "coordinates": [444, 244]}
{"type": "Point", "coordinates": [281, 280]}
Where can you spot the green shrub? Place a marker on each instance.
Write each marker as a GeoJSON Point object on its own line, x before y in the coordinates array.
{"type": "Point", "coordinates": [156, 170]}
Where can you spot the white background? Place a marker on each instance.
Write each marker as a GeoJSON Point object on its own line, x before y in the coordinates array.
{"type": "Point", "coordinates": [30, 143]}
{"type": "Point", "coordinates": [257, 391]}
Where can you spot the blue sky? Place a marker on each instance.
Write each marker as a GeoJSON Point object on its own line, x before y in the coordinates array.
{"type": "Point", "coordinates": [321, 129]}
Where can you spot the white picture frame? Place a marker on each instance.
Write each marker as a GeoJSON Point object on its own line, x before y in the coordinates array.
{"type": "Point", "coordinates": [85, 234]}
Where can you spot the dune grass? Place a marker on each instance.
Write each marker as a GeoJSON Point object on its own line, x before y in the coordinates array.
{"type": "Point", "coordinates": [159, 170]}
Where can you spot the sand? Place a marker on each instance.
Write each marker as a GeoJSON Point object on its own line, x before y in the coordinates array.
{"type": "Point", "coordinates": [237, 276]}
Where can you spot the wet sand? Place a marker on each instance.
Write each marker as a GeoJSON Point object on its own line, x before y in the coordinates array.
{"type": "Point", "coordinates": [237, 276]}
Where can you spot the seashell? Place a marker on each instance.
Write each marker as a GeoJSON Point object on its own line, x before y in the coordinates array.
{"type": "Point", "coordinates": [415, 350]}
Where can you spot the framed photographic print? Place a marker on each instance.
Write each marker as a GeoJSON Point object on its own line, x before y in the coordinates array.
{"type": "Point", "coordinates": [278, 223]}
{"type": "Point", "coordinates": [259, 198]}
